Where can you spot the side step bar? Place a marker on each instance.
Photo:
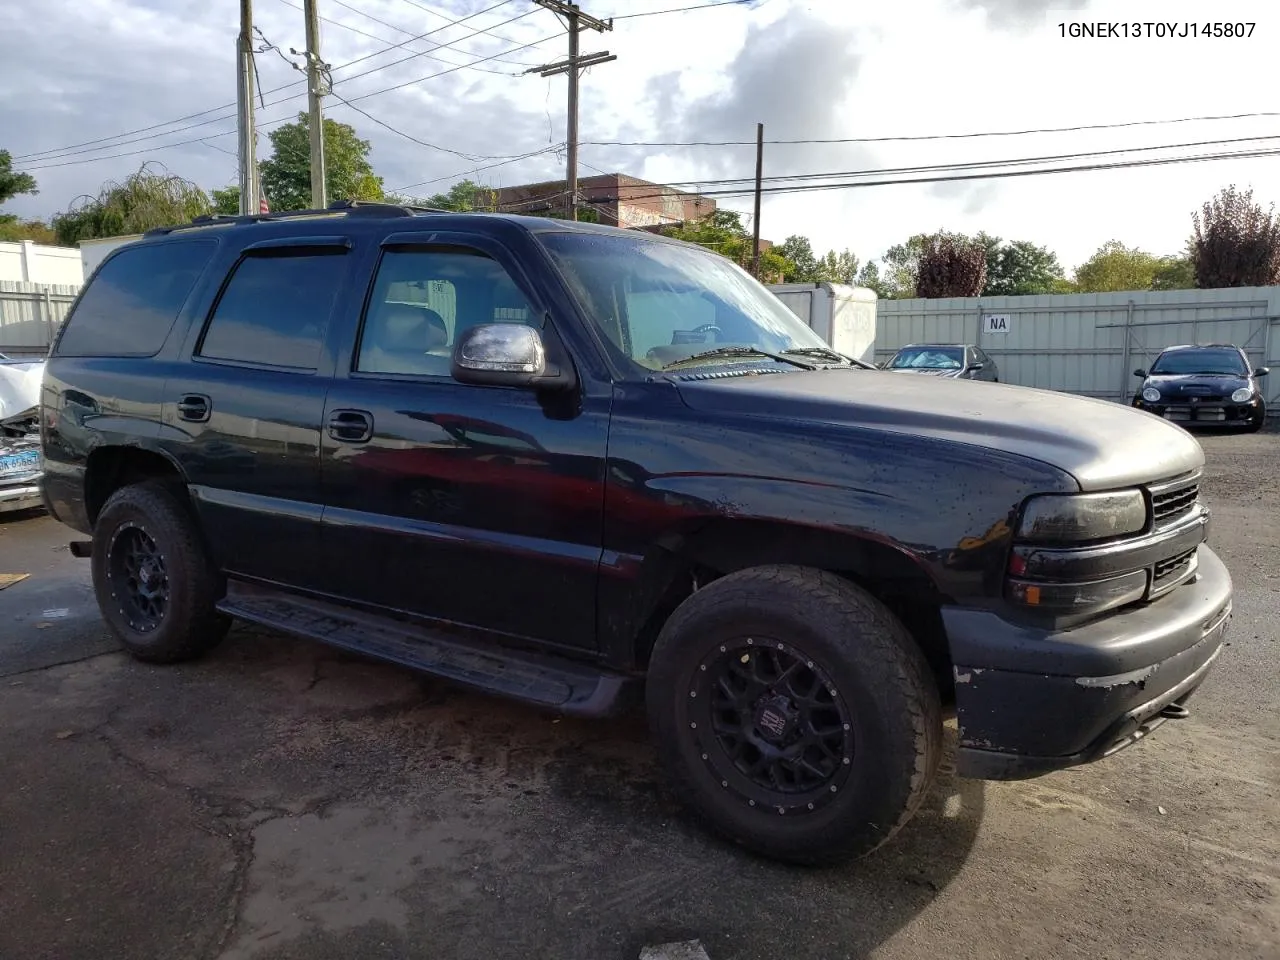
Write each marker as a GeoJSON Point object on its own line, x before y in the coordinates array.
{"type": "Point", "coordinates": [558, 684]}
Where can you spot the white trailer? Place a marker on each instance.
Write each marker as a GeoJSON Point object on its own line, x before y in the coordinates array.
{"type": "Point", "coordinates": [843, 316]}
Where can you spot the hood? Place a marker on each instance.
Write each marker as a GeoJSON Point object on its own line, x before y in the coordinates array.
{"type": "Point", "coordinates": [927, 372]}
{"type": "Point", "coordinates": [1178, 385]}
{"type": "Point", "coordinates": [1099, 443]}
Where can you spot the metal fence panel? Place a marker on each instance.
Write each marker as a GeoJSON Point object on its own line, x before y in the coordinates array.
{"type": "Point", "coordinates": [1090, 343]}
{"type": "Point", "coordinates": [30, 314]}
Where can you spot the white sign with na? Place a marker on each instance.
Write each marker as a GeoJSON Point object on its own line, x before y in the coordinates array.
{"type": "Point", "coordinates": [995, 323]}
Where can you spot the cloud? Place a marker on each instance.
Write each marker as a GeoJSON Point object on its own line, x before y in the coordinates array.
{"type": "Point", "coordinates": [1019, 14]}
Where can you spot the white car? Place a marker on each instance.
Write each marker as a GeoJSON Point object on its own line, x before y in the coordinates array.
{"type": "Point", "coordinates": [21, 462]}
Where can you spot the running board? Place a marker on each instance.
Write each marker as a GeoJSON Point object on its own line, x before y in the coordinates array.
{"type": "Point", "coordinates": [558, 684]}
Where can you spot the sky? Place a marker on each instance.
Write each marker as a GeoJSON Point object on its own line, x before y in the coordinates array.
{"type": "Point", "coordinates": [91, 89]}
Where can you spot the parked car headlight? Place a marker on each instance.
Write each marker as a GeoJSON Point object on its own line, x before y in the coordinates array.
{"type": "Point", "coordinates": [1151, 395]}
{"type": "Point", "coordinates": [1241, 395]}
{"type": "Point", "coordinates": [1086, 516]}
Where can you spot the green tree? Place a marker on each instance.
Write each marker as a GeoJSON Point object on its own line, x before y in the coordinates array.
{"type": "Point", "coordinates": [1019, 268]}
{"type": "Point", "coordinates": [37, 231]}
{"type": "Point", "coordinates": [1236, 243]}
{"type": "Point", "coordinates": [13, 183]}
{"type": "Point", "coordinates": [1174, 273]}
{"type": "Point", "coordinates": [286, 175]}
{"type": "Point", "coordinates": [804, 264]}
{"type": "Point", "coordinates": [723, 232]}
{"type": "Point", "coordinates": [1117, 267]}
{"type": "Point", "coordinates": [227, 200]}
{"type": "Point", "coordinates": [146, 199]}
{"type": "Point", "coordinates": [869, 277]}
{"type": "Point", "coordinates": [839, 267]}
{"type": "Point", "coordinates": [465, 196]}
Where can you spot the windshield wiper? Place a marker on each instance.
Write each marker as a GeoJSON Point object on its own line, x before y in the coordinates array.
{"type": "Point", "coordinates": [738, 352]}
{"type": "Point", "coordinates": [829, 353]}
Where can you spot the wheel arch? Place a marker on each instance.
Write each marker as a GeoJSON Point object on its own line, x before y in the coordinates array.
{"type": "Point", "coordinates": [110, 467]}
{"type": "Point", "coordinates": [682, 562]}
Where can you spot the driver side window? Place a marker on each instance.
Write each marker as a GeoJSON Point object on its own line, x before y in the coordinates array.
{"type": "Point", "coordinates": [424, 299]}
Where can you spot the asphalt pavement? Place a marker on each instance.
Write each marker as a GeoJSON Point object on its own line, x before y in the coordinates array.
{"type": "Point", "coordinates": [280, 800]}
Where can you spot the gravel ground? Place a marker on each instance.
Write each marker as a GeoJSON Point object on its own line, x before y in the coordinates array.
{"type": "Point", "coordinates": [279, 800]}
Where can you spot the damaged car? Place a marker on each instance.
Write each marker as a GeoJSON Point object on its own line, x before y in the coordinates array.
{"type": "Point", "coordinates": [21, 463]}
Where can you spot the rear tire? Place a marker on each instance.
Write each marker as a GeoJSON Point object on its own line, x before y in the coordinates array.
{"type": "Point", "coordinates": [744, 674]}
{"type": "Point", "coordinates": [154, 581]}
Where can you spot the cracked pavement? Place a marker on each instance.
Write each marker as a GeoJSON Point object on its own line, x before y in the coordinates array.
{"type": "Point", "coordinates": [280, 800]}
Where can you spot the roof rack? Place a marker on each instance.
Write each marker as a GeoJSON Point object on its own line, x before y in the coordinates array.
{"type": "Point", "coordinates": [362, 208]}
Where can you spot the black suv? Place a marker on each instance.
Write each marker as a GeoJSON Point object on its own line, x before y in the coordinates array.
{"type": "Point", "coordinates": [569, 463]}
{"type": "Point", "coordinates": [1205, 385]}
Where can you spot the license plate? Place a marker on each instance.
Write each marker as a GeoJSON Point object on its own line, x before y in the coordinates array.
{"type": "Point", "coordinates": [14, 463]}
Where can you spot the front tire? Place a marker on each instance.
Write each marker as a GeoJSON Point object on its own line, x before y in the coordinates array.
{"type": "Point", "coordinates": [1258, 422]}
{"type": "Point", "coordinates": [155, 584]}
{"type": "Point", "coordinates": [795, 713]}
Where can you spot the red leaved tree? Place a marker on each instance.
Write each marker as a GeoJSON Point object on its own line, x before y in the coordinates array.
{"type": "Point", "coordinates": [951, 266]}
{"type": "Point", "coordinates": [1236, 244]}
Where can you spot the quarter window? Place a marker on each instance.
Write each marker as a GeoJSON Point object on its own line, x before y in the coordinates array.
{"type": "Point", "coordinates": [129, 306]}
{"type": "Point", "coordinates": [275, 310]}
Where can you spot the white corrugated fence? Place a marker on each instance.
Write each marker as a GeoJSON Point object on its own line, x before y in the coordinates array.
{"type": "Point", "coordinates": [1090, 343]}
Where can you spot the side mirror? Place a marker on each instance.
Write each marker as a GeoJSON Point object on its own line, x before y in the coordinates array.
{"type": "Point", "coordinates": [1140, 373]}
{"type": "Point", "coordinates": [503, 355]}
{"type": "Point", "coordinates": [1262, 371]}
{"type": "Point", "coordinates": [977, 366]}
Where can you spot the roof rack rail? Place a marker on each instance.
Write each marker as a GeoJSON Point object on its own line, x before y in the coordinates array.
{"type": "Point", "coordinates": [363, 208]}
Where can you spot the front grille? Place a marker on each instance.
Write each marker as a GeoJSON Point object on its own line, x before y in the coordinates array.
{"type": "Point", "coordinates": [1167, 571]}
{"type": "Point", "coordinates": [1167, 505]}
{"type": "Point", "coordinates": [1196, 413]}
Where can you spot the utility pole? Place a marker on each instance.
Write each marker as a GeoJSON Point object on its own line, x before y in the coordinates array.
{"type": "Point", "coordinates": [575, 20]}
{"type": "Point", "coordinates": [316, 69]}
{"type": "Point", "coordinates": [755, 221]}
{"type": "Point", "coordinates": [248, 160]}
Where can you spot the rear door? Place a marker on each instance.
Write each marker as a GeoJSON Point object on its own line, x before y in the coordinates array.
{"type": "Point", "coordinates": [244, 416]}
{"type": "Point", "coordinates": [479, 506]}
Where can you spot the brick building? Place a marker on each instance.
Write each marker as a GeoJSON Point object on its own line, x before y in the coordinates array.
{"type": "Point", "coordinates": [618, 199]}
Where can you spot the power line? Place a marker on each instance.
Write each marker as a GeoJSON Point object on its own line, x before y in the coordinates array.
{"type": "Point", "coordinates": [552, 148]}
{"type": "Point", "coordinates": [348, 102]}
{"type": "Point", "coordinates": [975, 175]}
{"type": "Point", "coordinates": [973, 164]}
{"type": "Point", "coordinates": [399, 29]}
{"type": "Point", "coordinates": [700, 6]}
{"type": "Point", "coordinates": [71, 150]}
{"type": "Point", "coordinates": [373, 36]}
{"type": "Point", "coordinates": [929, 136]}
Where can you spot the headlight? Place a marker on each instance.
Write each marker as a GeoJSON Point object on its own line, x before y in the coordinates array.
{"type": "Point", "coordinates": [1241, 395]}
{"type": "Point", "coordinates": [1086, 516]}
{"type": "Point", "coordinates": [1151, 395]}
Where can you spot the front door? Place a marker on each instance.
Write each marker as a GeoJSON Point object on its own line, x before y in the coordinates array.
{"type": "Point", "coordinates": [479, 506]}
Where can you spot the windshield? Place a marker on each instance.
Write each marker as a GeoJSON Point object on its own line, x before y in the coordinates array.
{"type": "Point", "coordinates": [658, 303]}
{"type": "Point", "coordinates": [1225, 362]}
{"type": "Point", "coordinates": [928, 358]}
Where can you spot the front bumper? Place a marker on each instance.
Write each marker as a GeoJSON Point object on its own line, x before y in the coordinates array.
{"type": "Point", "coordinates": [1029, 701]}
{"type": "Point", "coordinates": [1205, 413]}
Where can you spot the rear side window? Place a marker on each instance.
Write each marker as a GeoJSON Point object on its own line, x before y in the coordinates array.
{"type": "Point", "coordinates": [275, 310]}
{"type": "Point", "coordinates": [129, 307]}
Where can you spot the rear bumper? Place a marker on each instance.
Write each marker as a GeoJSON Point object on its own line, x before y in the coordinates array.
{"type": "Point", "coordinates": [1030, 701]}
{"type": "Point", "coordinates": [21, 496]}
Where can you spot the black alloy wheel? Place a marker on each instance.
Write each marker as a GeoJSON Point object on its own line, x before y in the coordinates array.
{"type": "Point", "coordinates": [139, 577]}
{"type": "Point", "coordinates": [772, 725]}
